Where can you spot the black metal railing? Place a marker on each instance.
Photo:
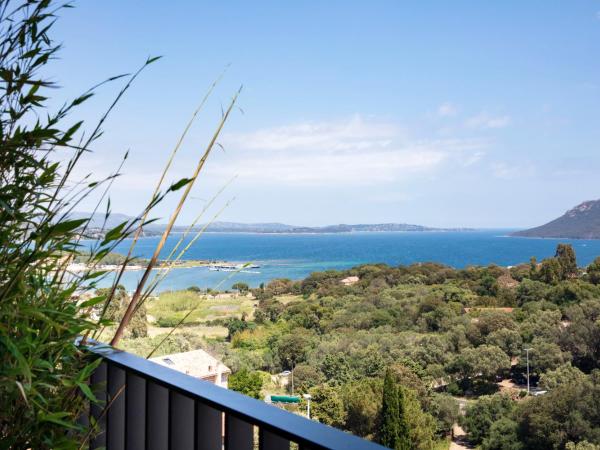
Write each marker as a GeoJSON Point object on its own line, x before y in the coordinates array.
{"type": "Point", "coordinates": [152, 407]}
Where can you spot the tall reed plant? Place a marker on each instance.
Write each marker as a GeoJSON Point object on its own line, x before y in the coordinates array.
{"type": "Point", "coordinates": [45, 321]}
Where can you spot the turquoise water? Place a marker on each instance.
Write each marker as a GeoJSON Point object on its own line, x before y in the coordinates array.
{"type": "Point", "coordinates": [297, 255]}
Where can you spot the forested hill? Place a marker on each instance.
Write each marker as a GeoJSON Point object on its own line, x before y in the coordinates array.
{"type": "Point", "coordinates": [581, 222]}
{"type": "Point", "coordinates": [422, 338]}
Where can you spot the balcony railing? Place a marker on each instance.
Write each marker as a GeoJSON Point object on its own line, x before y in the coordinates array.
{"type": "Point", "coordinates": [152, 407]}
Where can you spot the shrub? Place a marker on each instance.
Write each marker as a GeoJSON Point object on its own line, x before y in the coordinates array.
{"type": "Point", "coordinates": [480, 416]}
{"type": "Point", "coordinates": [247, 382]}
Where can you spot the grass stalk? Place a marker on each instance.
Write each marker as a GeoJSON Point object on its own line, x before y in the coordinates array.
{"type": "Point", "coordinates": [188, 187]}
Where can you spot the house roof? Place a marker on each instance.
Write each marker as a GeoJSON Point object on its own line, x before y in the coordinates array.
{"type": "Point", "coordinates": [350, 280]}
{"type": "Point", "coordinates": [197, 363]}
{"type": "Point", "coordinates": [486, 308]}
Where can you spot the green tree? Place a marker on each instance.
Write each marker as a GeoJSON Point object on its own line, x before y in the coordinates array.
{"type": "Point", "coordinates": [531, 291]}
{"type": "Point", "coordinates": [480, 416]}
{"type": "Point", "coordinates": [541, 323]}
{"type": "Point", "coordinates": [388, 432]}
{"type": "Point", "coordinates": [488, 285]}
{"type": "Point", "coordinates": [593, 271]}
{"type": "Point", "coordinates": [393, 431]}
{"type": "Point", "coordinates": [550, 271]}
{"type": "Point", "coordinates": [509, 341]}
{"type": "Point", "coordinates": [327, 406]}
{"type": "Point", "coordinates": [490, 321]}
{"type": "Point", "coordinates": [544, 356]}
{"type": "Point", "coordinates": [565, 256]}
{"type": "Point", "coordinates": [583, 445]}
{"type": "Point", "coordinates": [582, 337]}
{"type": "Point", "coordinates": [568, 413]}
{"type": "Point", "coordinates": [362, 401]}
{"type": "Point", "coordinates": [533, 267]}
{"type": "Point", "coordinates": [485, 361]}
{"type": "Point", "coordinates": [293, 348]}
{"type": "Point", "coordinates": [241, 287]}
{"type": "Point", "coordinates": [421, 425]}
{"type": "Point", "coordinates": [444, 408]}
{"type": "Point", "coordinates": [404, 414]}
{"type": "Point", "coordinates": [306, 377]}
{"type": "Point", "coordinates": [247, 382]}
{"type": "Point", "coordinates": [563, 374]}
{"type": "Point", "coordinates": [268, 310]}
{"type": "Point", "coordinates": [503, 435]}
{"type": "Point", "coordinates": [337, 369]}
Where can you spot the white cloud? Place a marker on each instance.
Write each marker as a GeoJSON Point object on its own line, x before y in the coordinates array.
{"type": "Point", "coordinates": [355, 133]}
{"type": "Point", "coordinates": [473, 159]}
{"type": "Point", "coordinates": [508, 172]}
{"type": "Point", "coordinates": [484, 120]}
{"type": "Point", "coordinates": [327, 167]}
{"type": "Point", "coordinates": [447, 110]}
{"type": "Point", "coordinates": [350, 152]}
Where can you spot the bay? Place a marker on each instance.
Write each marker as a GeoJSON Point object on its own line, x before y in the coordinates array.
{"type": "Point", "coordinates": [295, 256]}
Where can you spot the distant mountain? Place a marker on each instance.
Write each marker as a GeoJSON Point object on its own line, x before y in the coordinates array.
{"type": "Point", "coordinates": [97, 221]}
{"type": "Point", "coordinates": [340, 228]}
{"type": "Point", "coordinates": [581, 222]}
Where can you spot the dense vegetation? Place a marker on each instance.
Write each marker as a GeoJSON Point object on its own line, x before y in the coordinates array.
{"type": "Point", "coordinates": [414, 340]}
{"type": "Point", "coordinates": [438, 333]}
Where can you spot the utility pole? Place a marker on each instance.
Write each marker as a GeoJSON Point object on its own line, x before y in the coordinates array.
{"type": "Point", "coordinates": [307, 397]}
{"type": "Point", "coordinates": [527, 352]}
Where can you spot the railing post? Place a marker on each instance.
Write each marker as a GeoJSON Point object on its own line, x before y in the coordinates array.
{"type": "Point", "coordinates": [271, 441]}
{"type": "Point", "coordinates": [209, 427]}
{"type": "Point", "coordinates": [239, 435]}
{"type": "Point", "coordinates": [157, 417]}
{"type": "Point", "coordinates": [135, 406]}
{"type": "Point", "coordinates": [115, 432]}
{"type": "Point", "coordinates": [181, 416]}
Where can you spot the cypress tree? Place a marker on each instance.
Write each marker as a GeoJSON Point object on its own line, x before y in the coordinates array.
{"type": "Point", "coordinates": [403, 441]}
{"type": "Point", "coordinates": [388, 433]}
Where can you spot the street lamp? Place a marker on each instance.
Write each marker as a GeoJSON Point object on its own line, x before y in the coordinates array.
{"type": "Point", "coordinates": [307, 397]}
{"type": "Point", "coordinates": [527, 352]}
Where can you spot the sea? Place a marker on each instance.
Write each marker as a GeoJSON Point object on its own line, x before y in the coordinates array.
{"type": "Point", "coordinates": [295, 256]}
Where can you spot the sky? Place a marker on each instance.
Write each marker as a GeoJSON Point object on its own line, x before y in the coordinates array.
{"type": "Point", "coordinates": [447, 114]}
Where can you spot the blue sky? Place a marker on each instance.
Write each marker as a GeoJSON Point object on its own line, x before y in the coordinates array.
{"type": "Point", "coordinates": [462, 113]}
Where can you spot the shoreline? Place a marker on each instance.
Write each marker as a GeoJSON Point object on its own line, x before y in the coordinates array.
{"type": "Point", "coordinates": [182, 264]}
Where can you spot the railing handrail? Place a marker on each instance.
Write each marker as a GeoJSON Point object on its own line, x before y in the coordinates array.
{"type": "Point", "coordinates": [285, 424]}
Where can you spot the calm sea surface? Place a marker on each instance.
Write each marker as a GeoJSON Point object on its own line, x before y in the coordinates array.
{"type": "Point", "coordinates": [297, 255]}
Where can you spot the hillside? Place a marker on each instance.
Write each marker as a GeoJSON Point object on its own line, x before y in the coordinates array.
{"type": "Point", "coordinates": [447, 336]}
{"type": "Point", "coordinates": [581, 222]}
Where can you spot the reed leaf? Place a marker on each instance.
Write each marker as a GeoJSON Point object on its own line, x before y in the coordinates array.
{"type": "Point", "coordinates": [136, 296]}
